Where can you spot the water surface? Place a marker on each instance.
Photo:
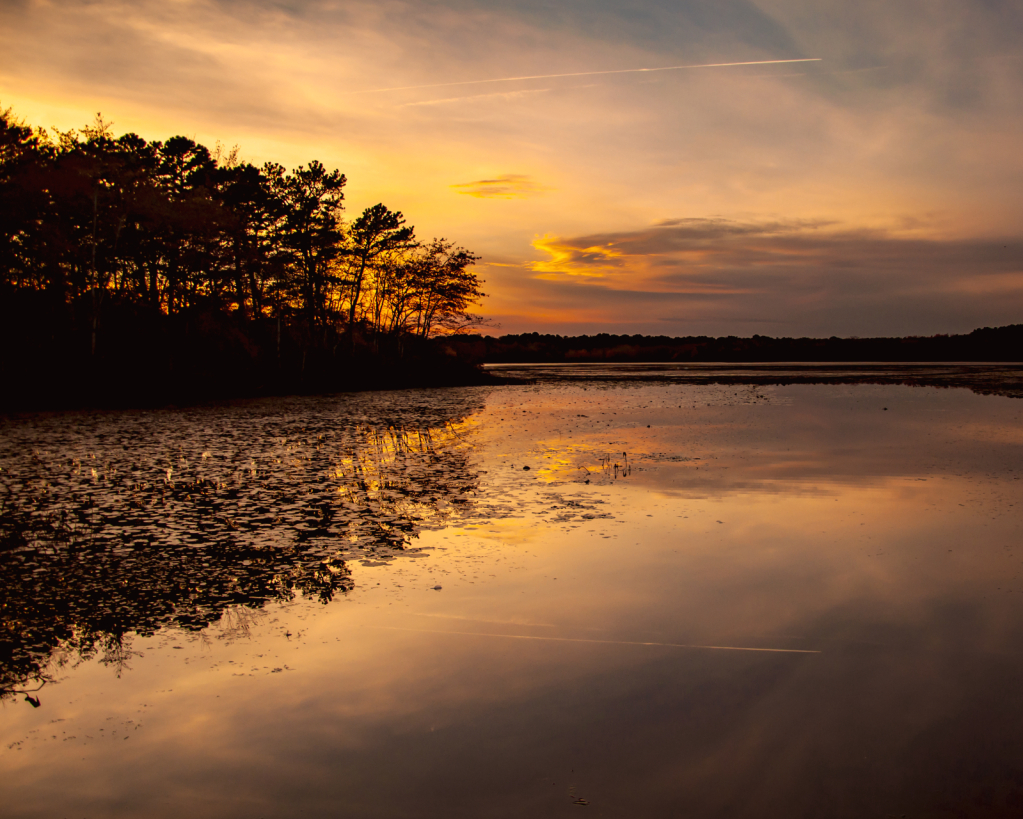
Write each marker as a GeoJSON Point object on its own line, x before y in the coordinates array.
{"type": "Point", "coordinates": [621, 597]}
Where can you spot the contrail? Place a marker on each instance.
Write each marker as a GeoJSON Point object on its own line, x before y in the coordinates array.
{"type": "Point", "coordinates": [584, 74]}
{"type": "Point", "coordinates": [477, 620]}
{"type": "Point", "coordinates": [604, 642]}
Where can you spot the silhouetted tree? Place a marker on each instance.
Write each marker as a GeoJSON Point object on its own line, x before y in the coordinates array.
{"type": "Point", "coordinates": [377, 232]}
{"type": "Point", "coordinates": [312, 232]}
{"type": "Point", "coordinates": [118, 252]}
{"type": "Point", "coordinates": [445, 289]}
{"type": "Point", "coordinates": [254, 213]}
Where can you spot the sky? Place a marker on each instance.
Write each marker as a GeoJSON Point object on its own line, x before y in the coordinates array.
{"type": "Point", "coordinates": [799, 167]}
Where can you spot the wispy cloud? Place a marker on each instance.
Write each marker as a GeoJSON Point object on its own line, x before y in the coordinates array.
{"type": "Point", "coordinates": [669, 126]}
{"type": "Point", "coordinates": [587, 74]}
{"type": "Point", "coordinates": [676, 250]}
{"type": "Point", "coordinates": [573, 258]}
{"type": "Point", "coordinates": [507, 95]}
{"type": "Point", "coordinates": [508, 186]}
{"type": "Point", "coordinates": [817, 276]}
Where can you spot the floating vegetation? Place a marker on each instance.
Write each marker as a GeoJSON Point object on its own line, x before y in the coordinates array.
{"type": "Point", "coordinates": [120, 524]}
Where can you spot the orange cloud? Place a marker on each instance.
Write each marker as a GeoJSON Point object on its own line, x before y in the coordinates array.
{"type": "Point", "coordinates": [509, 186]}
{"type": "Point", "coordinates": [567, 259]}
{"type": "Point", "coordinates": [813, 277]}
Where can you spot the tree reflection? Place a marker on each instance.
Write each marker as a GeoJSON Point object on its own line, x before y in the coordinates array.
{"type": "Point", "coordinates": [105, 534]}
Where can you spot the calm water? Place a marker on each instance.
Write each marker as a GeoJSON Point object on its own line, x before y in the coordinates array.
{"type": "Point", "coordinates": [627, 598]}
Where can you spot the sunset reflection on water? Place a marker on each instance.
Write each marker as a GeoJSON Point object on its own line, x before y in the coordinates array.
{"type": "Point", "coordinates": [567, 636]}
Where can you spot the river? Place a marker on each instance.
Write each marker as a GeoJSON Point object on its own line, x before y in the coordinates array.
{"type": "Point", "coordinates": [623, 596]}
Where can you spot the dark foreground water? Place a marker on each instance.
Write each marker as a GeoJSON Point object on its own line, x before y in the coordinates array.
{"type": "Point", "coordinates": [697, 600]}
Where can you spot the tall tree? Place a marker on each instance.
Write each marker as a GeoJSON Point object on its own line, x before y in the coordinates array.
{"type": "Point", "coordinates": [106, 240]}
{"type": "Point", "coordinates": [313, 200]}
{"type": "Point", "coordinates": [446, 289]}
{"type": "Point", "coordinates": [254, 215]}
{"type": "Point", "coordinates": [22, 200]}
{"type": "Point", "coordinates": [376, 232]}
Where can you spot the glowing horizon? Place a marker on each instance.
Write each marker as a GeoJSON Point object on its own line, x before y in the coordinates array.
{"type": "Point", "coordinates": [891, 163]}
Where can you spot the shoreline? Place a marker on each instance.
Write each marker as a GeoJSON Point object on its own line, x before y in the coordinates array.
{"type": "Point", "coordinates": [986, 379]}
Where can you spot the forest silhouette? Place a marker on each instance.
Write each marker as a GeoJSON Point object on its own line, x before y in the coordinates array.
{"type": "Point", "coordinates": [988, 344]}
{"type": "Point", "coordinates": [134, 271]}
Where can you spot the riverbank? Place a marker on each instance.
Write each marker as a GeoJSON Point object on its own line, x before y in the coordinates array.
{"type": "Point", "coordinates": [196, 376]}
{"type": "Point", "coordinates": [143, 358]}
{"type": "Point", "coordinates": [981, 378]}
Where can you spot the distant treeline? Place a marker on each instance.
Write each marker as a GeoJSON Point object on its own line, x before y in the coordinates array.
{"type": "Point", "coordinates": [133, 269]}
{"type": "Point", "coordinates": [986, 344]}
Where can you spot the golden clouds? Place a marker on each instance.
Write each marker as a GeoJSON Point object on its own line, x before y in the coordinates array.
{"type": "Point", "coordinates": [568, 259]}
{"type": "Point", "coordinates": [508, 186]}
{"type": "Point", "coordinates": [583, 161]}
{"type": "Point", "coordinates": [831, 278]}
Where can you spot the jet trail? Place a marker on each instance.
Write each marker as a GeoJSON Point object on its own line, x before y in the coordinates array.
{"type": "Point", "coordinates": [585, 74]}
{"type": "Point", "coordinates": [603, 642]}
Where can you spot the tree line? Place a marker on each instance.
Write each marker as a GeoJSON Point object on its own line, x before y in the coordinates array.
{"type": "Point", "coordinates": [998, 344]}
{"type": "Point", "coordinates": [104, 240]}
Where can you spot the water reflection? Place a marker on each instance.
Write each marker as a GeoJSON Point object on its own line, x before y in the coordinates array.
{"type": "Point", "coordinates": [711, 441]}
{"type": "Point", "coordinates": [594, 642]}
{"type": "Point", "coordinates": [116, 525]}
{"type": "Point", "coordinates": [985, 379]}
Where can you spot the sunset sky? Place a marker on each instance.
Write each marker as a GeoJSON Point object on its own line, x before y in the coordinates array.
{"type": "Point", "coordinates": [873, 187]}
